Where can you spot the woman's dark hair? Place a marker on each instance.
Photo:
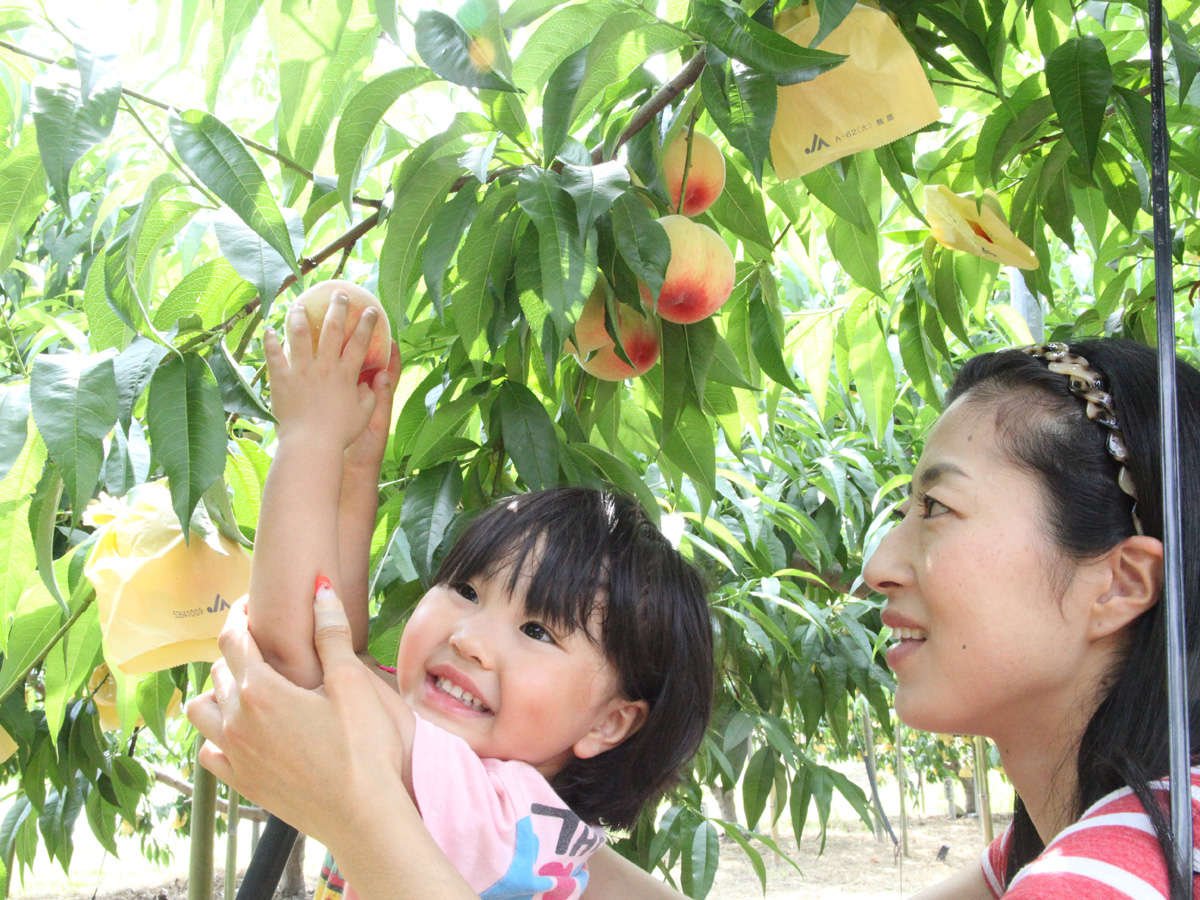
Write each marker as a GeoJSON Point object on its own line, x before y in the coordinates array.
{"type": "Point", "coordinates": [1044, 429]}
{"type": "Point", "coordinates": [587, 551]}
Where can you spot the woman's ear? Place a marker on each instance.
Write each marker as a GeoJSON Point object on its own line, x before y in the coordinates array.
{"type": "Point", "coordinates": [1135, 569]}
{"type": "Point", "coordinates": [620, 720]}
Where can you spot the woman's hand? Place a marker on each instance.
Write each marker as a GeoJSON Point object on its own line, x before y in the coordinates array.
{"type": "Point", "coordinates": [326, 761]}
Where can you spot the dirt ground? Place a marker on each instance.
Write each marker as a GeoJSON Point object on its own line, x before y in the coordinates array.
{"type": "Point", "coordinates": [853, 865]}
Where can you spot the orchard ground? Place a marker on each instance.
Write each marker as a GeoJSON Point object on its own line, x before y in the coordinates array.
{"type": "Point", "coordinates": [852, 865]}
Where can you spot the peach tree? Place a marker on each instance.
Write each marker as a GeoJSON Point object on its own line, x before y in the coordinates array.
{"type": "Point", "coordinates": [170, 181]}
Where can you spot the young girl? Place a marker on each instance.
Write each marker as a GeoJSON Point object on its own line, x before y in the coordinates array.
{"type": "Point", "coordinates": [556, 676]}
{"type": "Point", "coordinates": [1023, 587]}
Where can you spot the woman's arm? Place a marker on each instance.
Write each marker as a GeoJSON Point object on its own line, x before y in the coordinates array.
{"type": "Point", "coordinates": [291, 749]}
{"type": "Point", "coordinates": [965, 884]}
{"type": "Point", "coordinates": [613, 877]}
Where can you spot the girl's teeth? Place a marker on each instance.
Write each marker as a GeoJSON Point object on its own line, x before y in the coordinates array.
{"type": "Point", "coordinates": [449, 687]}
{"type": "Point", "coordinates": [908, 634]}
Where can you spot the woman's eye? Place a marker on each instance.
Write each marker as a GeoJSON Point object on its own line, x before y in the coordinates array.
{"type": "Point", "coordinates": [538, 632]}
{"type": "Point", "coordinates": [931, 507]}
{"type": "Point", "coordinates": [466, 591]}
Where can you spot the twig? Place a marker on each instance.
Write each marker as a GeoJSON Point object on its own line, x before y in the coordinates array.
{"type": "Point", "coordinates": [682, 81]}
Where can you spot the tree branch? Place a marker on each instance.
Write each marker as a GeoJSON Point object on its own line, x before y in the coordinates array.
{"type": "Point", "coordinates": [254, 813]}
{"type": "Point", "coordinates": [685, 78]}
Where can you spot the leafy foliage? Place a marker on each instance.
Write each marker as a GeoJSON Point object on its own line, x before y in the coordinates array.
{"type": "Point", "coordinates": [482, 169]}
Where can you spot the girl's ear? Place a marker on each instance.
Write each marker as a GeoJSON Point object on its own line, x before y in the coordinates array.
{"type": "Point", "coordinates": [1135, 569]}
{"type": "Point", "coordinates": [619, 721]}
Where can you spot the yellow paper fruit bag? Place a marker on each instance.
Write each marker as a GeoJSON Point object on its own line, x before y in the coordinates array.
{"type": "Point", "coordinates": [161, 601]}
{"type": "Point", "coordinates": [959, 223]}
{"type": "Point", "coordinates": [7, 745]}
{"type": "Point", "coordinates": [880, 93]}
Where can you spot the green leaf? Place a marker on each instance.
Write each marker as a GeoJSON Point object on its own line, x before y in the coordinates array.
{"type": "Point", "coordinates": [154, 693]}
{"type": "Point", "coordinates": [871, 366]}
{"type": "Point", "coordinates": [568, 266]}
{"type": "Point", "coordinates": [362, 115]}
{"type": "Point", "coordinates": [857, 252]}
{"type": "Point", "coordinates": [440, 428]}
{"type": "Point", "coordinates": [742, 102]}
{"type": "Point", "coordinates": [453, 54]}
{"type": "Point", "coordinates": [68, 125]}
{"type": "Point", "coordinates": [238, 395]}
{"type": "Point", "coordinates": [14, 422]}
{"type": "Point", "coordinates": [701, 861]}
{"type": "Point", "coordinates": [22, 195]}
{"type": "Point", "coordinates": [757, 783]}
{"type": "Point", "coordinates": [740, 209]}
{"type": "Point", "coordinates": [1186, 58]}
{"type": "Point", "coordinates": [445, 232]}
{"type": "Point", "coordinates": [594, 189]}
{"type": "Point", "coordinates": [558, 101]}
{"type": "Point", "coordinates": [218, 158]}
{"type": "Point", "coordinates": [484, 261]}
{"type": "Point", "coordinates": [75, 407]}
{"type": "Point", "coordinates": [186, 425]}
{"type": "Point", "coordinates": [568, 31]}
{"type": "Point", "coordinates": [914, 349]}
{"type": "Point", "coordinates": [430, 502]}
{"type": "Point", "coordinates": [529, 436]}
{"type": "Point", "coordinates": [842, 194]}
{"type": "Point", "coordinates": [253, 259]}
{"type": "Point", "coordinates": [739, 36]}
{"type": "Point", "coordinates": [231, 20]}
{"type": "Point", "coordinates": [28, 638]}
{"type": "Point", "coordinates": [106, 328]}
{"type": "Point", "coordinates": [641, 241]}
{"type": "Point", "coordinates": [1080, 80]}
{"type": "Point", "coordinates": [43, 517]}
{"type": "Point", "coordinates": [766, 339]}
{"type": "Point", "coordinates": [620, 46]}
{"type": "Point", "coordinates": [420, 191]}
{"type": "Point", "coordinates": [322, 50]}
{"type": "Point", "coordinates": [214, 291]}
{"type": "Point", "coordinates": [831, 13]}
{"type": "Point", "coordinates": [690, 445]}
{"type": "Point", "coordinates": [132, 369]}
{"type": "Point", "coordinates": [1118, 184]}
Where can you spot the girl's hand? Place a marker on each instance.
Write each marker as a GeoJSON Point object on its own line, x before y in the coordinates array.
{"type": "Point", "coordinates": [315, 395]}
{"type": "Point", "coordinates": [365, 453]}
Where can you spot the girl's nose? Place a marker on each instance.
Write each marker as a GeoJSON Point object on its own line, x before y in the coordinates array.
{"type": "Point", "coordinates": [888, 568]}
{"type": "Point", "coordinates": [468, 641]}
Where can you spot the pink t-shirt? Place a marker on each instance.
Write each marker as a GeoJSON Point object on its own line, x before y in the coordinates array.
{"type": "Point", "coordinates": [500, 823]}
{"type": "Point", "coordinates": [1111, 852]}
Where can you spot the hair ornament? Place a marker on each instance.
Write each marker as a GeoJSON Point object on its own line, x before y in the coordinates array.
{"type": "Point", "coordinates": [1089, 386]}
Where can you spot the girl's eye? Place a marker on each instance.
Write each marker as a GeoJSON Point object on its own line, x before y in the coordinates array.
{"type": "Point", "coordinates": [465, 590]}
{"type": "Point", "coordinates": [538, 632]}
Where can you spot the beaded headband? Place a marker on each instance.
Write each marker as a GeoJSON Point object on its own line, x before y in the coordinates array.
{"type": "Point", "coordinates": [1089, 386]}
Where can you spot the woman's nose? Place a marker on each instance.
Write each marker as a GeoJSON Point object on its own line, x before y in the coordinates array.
{"type": "Point", "coordinates": [888, 568]}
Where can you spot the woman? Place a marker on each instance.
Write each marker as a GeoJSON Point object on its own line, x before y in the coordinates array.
{"type": "Point", "coordinates": [1023, 589]}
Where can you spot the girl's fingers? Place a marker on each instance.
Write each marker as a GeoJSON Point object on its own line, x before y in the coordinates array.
{"type": "Point", "coordinates": [333, 328]}
{"type": "Point", "coordinates": [355, 350]}
{"type": "Point", "coordinates": [299, 335]}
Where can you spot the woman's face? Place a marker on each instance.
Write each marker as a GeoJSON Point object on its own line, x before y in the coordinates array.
{"type": "Point", "coordinates": [987, 616]}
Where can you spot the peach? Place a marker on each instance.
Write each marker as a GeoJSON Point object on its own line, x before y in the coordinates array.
{"type": "Point", "coordinates": [699, 277]}
{"type": "Point", "coordinates": [705, 177]}
{"type": "Point", "coordinates": [595, 349]}
{"type": "Point", "coordinates": [315, 302]}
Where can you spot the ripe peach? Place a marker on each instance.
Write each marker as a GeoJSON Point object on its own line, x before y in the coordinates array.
{"type": "Point", "coordinates": [595, 349]}
{"type": "Point", "coordinates": [700, 275]}
{"type": "Point", "coordinates": [315, 301]}
{"type": "Point", "coordinates": [706, 174]}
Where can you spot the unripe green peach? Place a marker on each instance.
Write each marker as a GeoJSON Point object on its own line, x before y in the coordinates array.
{"type": "Point", "coordinates": [699, 277]}
{"type": "Point", "coordinates": [315, 302]}
{"type": "Point", "coordinates": [595, 349]}
{"type": "Point", "coordinates": [706, 173]}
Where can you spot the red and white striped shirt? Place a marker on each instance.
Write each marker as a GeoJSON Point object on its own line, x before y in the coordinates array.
{"type": "Point", "coordinates": [1111, 853]}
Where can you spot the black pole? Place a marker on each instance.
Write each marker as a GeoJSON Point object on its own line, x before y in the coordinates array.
{"type": "Point", "coordinates": [1164, 296]}
{"type": "Point", "coordinates": [266, 865]}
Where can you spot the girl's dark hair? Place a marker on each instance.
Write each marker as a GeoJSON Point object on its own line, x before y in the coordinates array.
{"type": "Point", "coordinates": [586, 551]}
{"type": "Point", "coordinates": [1044, 429]}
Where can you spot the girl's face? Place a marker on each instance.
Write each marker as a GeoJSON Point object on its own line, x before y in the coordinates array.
{"type": "Point", "coordinates": [988, 618]}
{"type": "Point", "coordinates": [473, 662]}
